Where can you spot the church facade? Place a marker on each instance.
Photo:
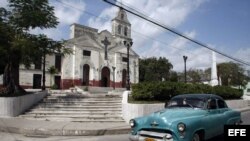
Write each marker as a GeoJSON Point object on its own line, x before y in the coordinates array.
{"type": "Point", "coordinates": [98, 59]}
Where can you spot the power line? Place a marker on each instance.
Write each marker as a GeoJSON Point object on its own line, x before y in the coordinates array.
{"type": "Point", "coordinates": [142, 16]}
{"type": "Point", "coordinates": [141, 34]}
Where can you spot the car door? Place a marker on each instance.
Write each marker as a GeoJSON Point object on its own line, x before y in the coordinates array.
{"type": "Point", "coordinates": [212, 119]}
{"type": "Point", "coordinates": [222, 109]}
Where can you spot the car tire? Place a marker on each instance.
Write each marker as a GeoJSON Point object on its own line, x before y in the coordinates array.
{"type": "Point", "coordinates": [196, 137]}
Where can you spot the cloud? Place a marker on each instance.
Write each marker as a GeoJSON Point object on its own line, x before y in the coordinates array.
{"type": "Point", "coordinates": [244, 55]}
{"type": "Point", "coordinates": [67, 12]}
{"type": "Point", "coordinates": [198, 57]}
{"type": "Point", "coordinates": [3, 3]}
{"type": "Point", "coordinates": [171, 13]}
{"type": "Point", "coordinates": [103, 21]}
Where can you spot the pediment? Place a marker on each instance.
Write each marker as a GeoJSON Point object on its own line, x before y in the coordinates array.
{"type": "Point", "coordinates": [110, 38]}
{"type": "Point", "coordinates": [86, 41]}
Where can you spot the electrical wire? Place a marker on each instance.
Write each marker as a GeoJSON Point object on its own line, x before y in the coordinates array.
{"type": "Point", "coordinates": [144, 17]}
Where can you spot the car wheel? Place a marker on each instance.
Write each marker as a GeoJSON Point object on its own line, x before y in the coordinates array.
{"type": "Point", "coordinates": [196, 137]}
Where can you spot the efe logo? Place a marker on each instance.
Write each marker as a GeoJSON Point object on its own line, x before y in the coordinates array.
{"type": "Point", "coordinates": [236, 132]}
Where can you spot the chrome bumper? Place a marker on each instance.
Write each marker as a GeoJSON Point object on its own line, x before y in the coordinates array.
{"type": "Point", "coordinates": [142, 135]}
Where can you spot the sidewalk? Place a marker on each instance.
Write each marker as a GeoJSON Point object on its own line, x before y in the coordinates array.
{"type": "Point", "coordinates": [56, 128]}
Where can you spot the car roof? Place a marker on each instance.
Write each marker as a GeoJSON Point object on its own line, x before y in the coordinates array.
{"type": "Point", "coordinates": [201, 96]}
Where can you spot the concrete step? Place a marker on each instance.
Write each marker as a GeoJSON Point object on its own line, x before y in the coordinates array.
{"type": "Point", "coordinates": [82, 100]}
{"type": "Point", "coordinates": [96, 95]}
{"type": "Point", "coordinates": [77, 120]}
{"type": "Point", "coordinates": [77, 107]}
{"type": "Point", "coordinates": [72, 109]}
{"type": "Point", "coordinates": [72, 113]}
{"type": "Point", "coordinates": [80, 104]}
{"type": "Point", "coordinates": [76, 116]}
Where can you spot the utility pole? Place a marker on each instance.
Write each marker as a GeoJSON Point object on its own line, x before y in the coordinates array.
{"type": "Point", "coordinates": [128, 44]}
{"type": "Point", "coordinates": [44, 59]}
{"type": "Point", "coordinates": [185, 69]}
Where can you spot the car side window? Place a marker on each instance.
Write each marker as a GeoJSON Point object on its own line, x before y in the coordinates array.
{"type": "Point", "coordinates": [221, 104]}
{"type": "Point", "coordinates": [211, 104]}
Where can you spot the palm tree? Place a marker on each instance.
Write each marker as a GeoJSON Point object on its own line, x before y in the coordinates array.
{"type": "Point", "coordinates": [52, 71]}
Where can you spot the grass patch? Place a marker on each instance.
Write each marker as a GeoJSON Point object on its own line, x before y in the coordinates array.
{"type": "Point", "coordinates": [131, 100]}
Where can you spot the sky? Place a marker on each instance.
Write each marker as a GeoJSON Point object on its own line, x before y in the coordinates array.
{"type": "Point", "coordinates": [220, 24]}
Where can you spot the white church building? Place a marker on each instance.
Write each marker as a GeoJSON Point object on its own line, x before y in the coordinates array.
{"type": "Point", "coordinates": [100, 56]}
{"type": "Point", "coordinates": [98, 59]}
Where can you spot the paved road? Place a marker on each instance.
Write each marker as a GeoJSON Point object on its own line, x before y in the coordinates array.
{"type": "Point", "coordinates": [19, 137]}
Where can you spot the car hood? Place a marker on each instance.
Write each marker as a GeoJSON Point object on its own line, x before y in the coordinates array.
{"type": "Point", "coordinates": [178, 113]}
{"type": "Point", "coordinates": [166, 117]}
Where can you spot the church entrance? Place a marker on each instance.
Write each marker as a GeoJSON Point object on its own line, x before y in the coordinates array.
{"type": "Point", "coordinates": [37, 79]}
{"type": "Point", "coordinates": [105, 82]}
{"type": "Point", "coordinates": [124, 78]}
{"type": "Point", "coordinates": [85, 76]}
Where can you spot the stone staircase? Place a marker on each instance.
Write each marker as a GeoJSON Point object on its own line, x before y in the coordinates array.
{"type": "Point", "coordinates": [94, 90]}
{"type": "Point", "coordinates": [78, 108]}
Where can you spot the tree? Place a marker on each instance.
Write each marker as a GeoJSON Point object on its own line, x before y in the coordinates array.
{"type": "Point", "coordinates": [194, 75]}
{"type": "Point", "coordinates": [19, 46]}
{"type": "Point", "coordinates": [6, 34]}
{"type": "Point", "coordinates": [154, 69]}
{"type": "Point", "coordinates": [231, 74]}
{"type": "Point", "coordinates": [52, 71]}
{"type": "Point", "coordinates": [173, 76]}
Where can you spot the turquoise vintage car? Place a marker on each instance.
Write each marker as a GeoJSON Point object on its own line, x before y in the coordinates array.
{"type": "Point", "coordinates": [187, 117]}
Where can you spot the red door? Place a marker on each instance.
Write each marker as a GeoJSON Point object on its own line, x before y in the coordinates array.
{"type": "Point", "coordinates": [85, 79]}
{"type": "Point", "coordinates": [105, 82]}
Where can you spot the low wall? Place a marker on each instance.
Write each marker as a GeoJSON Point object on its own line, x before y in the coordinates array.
{"type": "Point", "coordinates": [13, 106]}
{"type": "Point", "coordinates": [130, 111]}
{"type": "Point", "coordinates": [237, 104]}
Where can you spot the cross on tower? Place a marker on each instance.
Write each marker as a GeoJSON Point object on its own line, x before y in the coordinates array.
{"type": "Point", "coordinates": [106, 43]}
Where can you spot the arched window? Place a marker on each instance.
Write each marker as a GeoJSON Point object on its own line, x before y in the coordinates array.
{"type": "Point", "coordinates": [119, 29]}
{"type": "Point", "coordinates": [125, 31]}
{"type": "Point", "coordinates": [122, 16]}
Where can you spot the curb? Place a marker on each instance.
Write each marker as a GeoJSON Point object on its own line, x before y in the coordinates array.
{"type": "Point", "coordinates": [62, 132]}
{"type": "Point", "coordinates": [244, 109]}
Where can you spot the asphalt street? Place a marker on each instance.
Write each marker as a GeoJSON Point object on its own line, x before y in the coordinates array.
{"type": "Point", "coordinates": [124, 137]}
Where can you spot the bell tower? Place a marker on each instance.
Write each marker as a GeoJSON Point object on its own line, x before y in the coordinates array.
{"type": "Point", "coordinates": [121, 27]}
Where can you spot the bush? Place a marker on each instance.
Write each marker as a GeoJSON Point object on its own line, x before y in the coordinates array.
{"type": "Point", "coordinates": [163, 91]}
{"type": "Point", "coordinates": [54, 87]}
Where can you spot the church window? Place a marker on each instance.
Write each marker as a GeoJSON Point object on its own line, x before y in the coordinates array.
{"type": "Point", "coordinates": [86, 53]}
{"type": "Point", "coordinates": [125, 31]}
{"type": "Point", "coordinates": [38, 64]}
{"type": "Point", "coordinates": [124, 59]}
{"type": "Point", "coordinates": [58, 61]}
{"type": "Point", "coordinates": [119, 29]}
{"type": "Point", "coordinates": [122, 16]}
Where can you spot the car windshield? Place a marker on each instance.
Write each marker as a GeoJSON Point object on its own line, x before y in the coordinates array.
{"type": "Point", "coordinates": [186, 102]}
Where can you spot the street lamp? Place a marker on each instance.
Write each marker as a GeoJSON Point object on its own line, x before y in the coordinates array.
{"type": "Point", "coordinates": [128, 44]}
{"type": "Point", "coordinates": [113, 77]}
{"type": "Point", "coordinates": [185, 70]}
